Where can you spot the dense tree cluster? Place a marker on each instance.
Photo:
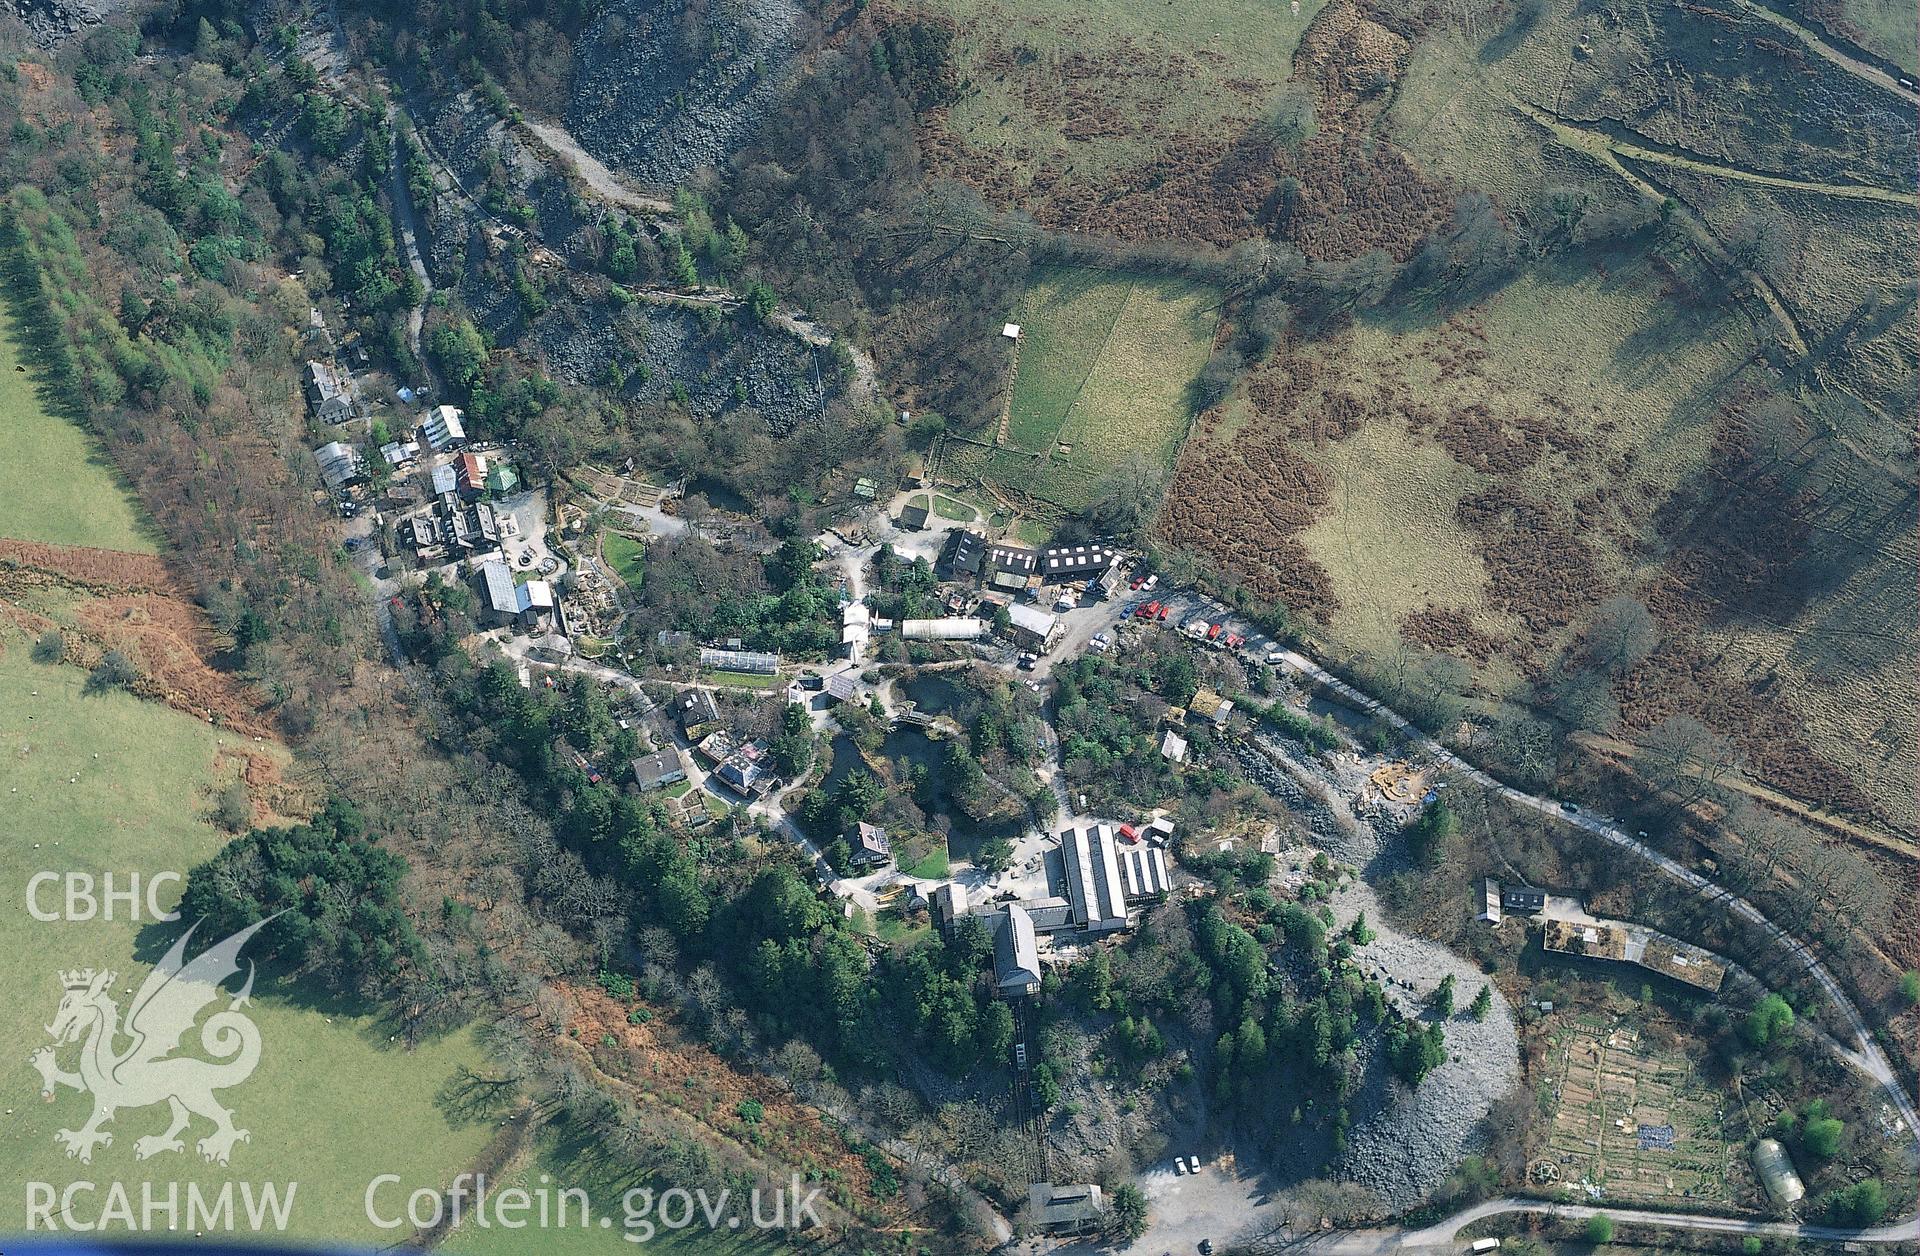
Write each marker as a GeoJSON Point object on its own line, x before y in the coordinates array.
{"type": "Point", "coordinates": [334, 893]}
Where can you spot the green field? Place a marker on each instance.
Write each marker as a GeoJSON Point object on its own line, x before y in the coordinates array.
{"type": "Point", "coordinates": [111, 782]}
{"type": "Point", "coordinates": [933, 866]}
{"type": "Point", "coordinates": [55, 483]}
{"type": "Point", "coordinates": [626, 556]}
{"type": "Point", "coordinates": [1886, 28]}
{"type": "Point", "coordinates": [1105, 363]}
{"type": "Point", "coordinates": [562, 1161]}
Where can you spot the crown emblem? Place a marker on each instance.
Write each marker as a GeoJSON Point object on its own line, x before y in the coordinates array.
{"type": "Point", "coordinates": [77, 979]}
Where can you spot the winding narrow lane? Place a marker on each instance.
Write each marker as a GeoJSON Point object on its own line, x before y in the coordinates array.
{"type": "Point", "coordinates": [1864, 1054]}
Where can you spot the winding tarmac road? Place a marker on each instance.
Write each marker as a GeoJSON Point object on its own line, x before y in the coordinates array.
{"type": "Point", "coordinates": [1865, 1054]}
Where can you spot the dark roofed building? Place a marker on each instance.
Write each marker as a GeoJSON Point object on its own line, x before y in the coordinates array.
{"type": "Point", "coordinates": [1015, 560]}
{"type": "Point", "coordinates": [913, 515]}
{"type": "Point", "coordinates": [1076, 562]}
{"type": "Point", "coordinates": [327, 394]}
{"type": "Point", "coordinates": [1524, 899]}
{"type": "Point", "coordinates": [1066, 1209]}
{"type": "Point", "coordinates": [869, 846]}
{"type": "Point", "coordinates": [659, 769]}
{"type": "Point", "coordinates": [966, 552]}
{"type": "Point", "coordinates": [695, 709]}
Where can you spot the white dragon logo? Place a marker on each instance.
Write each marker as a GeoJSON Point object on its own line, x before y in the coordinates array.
{"type": "Point", "coordinates": [146, 1073]}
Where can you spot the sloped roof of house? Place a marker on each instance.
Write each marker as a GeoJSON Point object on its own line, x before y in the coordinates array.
{"type": "Point", "coordinates": [662, 767]}
{"type": "Point", "coordinates": [1016, 949]}
{"type": "Point", "coordinates": [497, 578]}
{"type": "Point", "coordinates": [1029, 618]}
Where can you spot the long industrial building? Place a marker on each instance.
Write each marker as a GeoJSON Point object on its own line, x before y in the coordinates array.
{"type": "Point", "coordinates": [1092, 866]}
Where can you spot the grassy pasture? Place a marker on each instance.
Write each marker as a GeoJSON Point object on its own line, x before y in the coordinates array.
{"type": "Point", "coordinates": [1073, 92]}
{"type": "Point", "coordinates": [331, 1089]}
{"type": "Point", "coordinates": [1579, 387]}
{"type": "Point", "coordinates": [626, 556]}
{"type": "Point", "coordinates": [1886, 28]}
{"type": "Point", "coordinates": [1065, 320]}
{"type": "Point", "coordinates": [55, 483]}
{"type": "Point", "coordinates": [1103, 372]}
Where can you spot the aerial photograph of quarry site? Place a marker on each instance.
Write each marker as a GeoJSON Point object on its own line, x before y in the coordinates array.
{"type": "Point", "coordinates": [944, 627]}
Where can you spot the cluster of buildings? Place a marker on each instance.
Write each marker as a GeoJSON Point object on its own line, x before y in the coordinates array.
{"type": "Point", "coordinates": [1019, 570]}
{"type": "Point", "coordinates": [1104, 872]}
{"type": "Point", "coordinates": [528, 605]}
{"type": "Point", "coordinates": [1566, 930]}
{"type": "Point", "coordinates": [744, 767]}
{"type": "Point", "coordinates": [1022, 573]}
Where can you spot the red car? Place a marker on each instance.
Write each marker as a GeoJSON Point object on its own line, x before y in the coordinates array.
{"type": "Point", "coordinates": [1163, 613]}
{"type": "Point", "coordinates": [1213, 632]}
{"type": "Point", "coordinates": [1148, 611]}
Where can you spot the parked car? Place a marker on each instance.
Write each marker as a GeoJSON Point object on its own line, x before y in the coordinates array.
{"type": "Point", "coordinates": [1149, 611]}
{"type": "Point", "coordinates": [1162, 616]}
{"type": "Point", "coordinates": [1027, 659]}
{"type": "Point", "coordinates": [1151, 581]}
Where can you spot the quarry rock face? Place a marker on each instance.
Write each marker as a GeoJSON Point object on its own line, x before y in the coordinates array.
{"type": "Point", "coordinates": [52, 22]}
{"type": "Point", "coordinates": [663, 88]}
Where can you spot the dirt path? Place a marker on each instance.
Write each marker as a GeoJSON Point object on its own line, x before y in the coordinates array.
{"type": "Point", "coordinates": [1599, 143]}
{"type": "Point", "coordinates": [408, 222]}
{"type": "Point", "coordinates": [1614, 748]}
{"type": "Point", "coordinates": [1601, 149]}
{"type": "Point", "coordinates": [594, 172]}
{"type": "Point", "coordinates": [1851, 64]}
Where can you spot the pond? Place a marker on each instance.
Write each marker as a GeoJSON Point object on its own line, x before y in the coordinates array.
{"type": "Point", "coordinates": [967, 834]}
{"type": "Point", "coordinates": [935, 693]}
{"type": "Point", "coordinates": [846, 758]}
